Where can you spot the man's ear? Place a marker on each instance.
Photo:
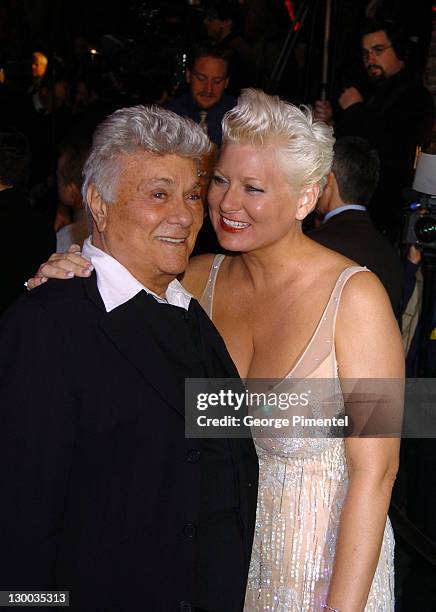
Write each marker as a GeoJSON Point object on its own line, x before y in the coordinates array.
{"type": "Point", "coordinates": [188, 76]}
{"type": "Point", "coordinates": [328, 189]}
{"type": "Point", "coordinates": [334, 193]}
{"type": "Point", "coordinates": [75, 193]}
{"type": "Point", "coordinates": [333, 183]}
{"type": "Point", "coordinates": [98, 208]}
{"type": "Point", "coordinates": [307, 201]}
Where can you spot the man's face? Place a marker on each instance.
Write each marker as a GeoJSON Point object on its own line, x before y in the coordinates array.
{"type": "Point", "coordinates": [39, 65]}
{"type": "Point", "coordinates": [379, 57]}
{"type": "Point", "coordinates": [208, 81]}
{"type": "Point", "coordinates": [213, 27]}
{"type": "Point", "coordinates": [152, 226]}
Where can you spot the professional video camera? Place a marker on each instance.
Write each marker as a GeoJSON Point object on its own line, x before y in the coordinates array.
{"type": "Point", "coordinates": [420, 227]}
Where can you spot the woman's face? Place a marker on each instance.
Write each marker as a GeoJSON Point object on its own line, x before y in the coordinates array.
{"type": "Point", "coordinates": [251, 204]}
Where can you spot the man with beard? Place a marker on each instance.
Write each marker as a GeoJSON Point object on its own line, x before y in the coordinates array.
{"type": "Point", "coordinates": [396, 117]}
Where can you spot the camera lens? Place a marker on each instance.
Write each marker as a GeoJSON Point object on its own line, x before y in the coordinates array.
{"type": "Point", "coordinates": [425, 229]}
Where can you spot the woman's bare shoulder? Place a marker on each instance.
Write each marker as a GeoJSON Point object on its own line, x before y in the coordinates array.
{"type": "Point", "coordinates": [332, 259]}
{"type": "Point", "coordinates": [195, 276]}
{"type": "Point", "coordinates": [326, 266]}
{"type": "Point", "coordinates": [364, 290]}
{"type": "Point", "coordinates": [367, 338]}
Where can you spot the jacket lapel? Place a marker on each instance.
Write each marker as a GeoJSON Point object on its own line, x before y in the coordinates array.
{"type": "Point", "coordinates": [216, 358]}
{"type": "Point", "coordinates": [142, 331]}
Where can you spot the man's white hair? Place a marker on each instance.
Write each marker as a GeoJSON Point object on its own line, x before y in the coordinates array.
{"type": "Point", "coordinates": [138, 128]}
{"type": "Point", "coordinates": [305, 146]}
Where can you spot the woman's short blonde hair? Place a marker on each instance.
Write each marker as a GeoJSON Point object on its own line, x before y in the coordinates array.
{"type": "Point", "coordinates": [305, 146]}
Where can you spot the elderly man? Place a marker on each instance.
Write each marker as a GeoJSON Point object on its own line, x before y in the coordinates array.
{"type": "Point", "coordinates": [102, 494]}
{"type": "Point", "coordinates": [396, 116]}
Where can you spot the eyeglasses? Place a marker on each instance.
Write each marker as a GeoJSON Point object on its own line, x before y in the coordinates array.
{"type": "Point", "coordinates": [376, 50]}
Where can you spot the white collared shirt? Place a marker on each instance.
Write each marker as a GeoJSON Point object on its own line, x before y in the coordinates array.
{"type": "Point", "coordinates": [117, 286]}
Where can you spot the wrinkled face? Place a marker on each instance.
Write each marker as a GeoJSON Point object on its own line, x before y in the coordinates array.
{"type": "Point", "coordinates": [379, 57]}
{"type": "Point", "coordinates": [152, 226]}
{"type": "Point", "coordinates": [251, 203]}
{"type": "Point", "coordinates": [39, 65]}
{"type": "Point", "coordinates": [208, 81]}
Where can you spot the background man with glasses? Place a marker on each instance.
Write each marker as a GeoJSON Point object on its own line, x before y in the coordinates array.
{"type": "Point", "coordinates": [396, 116]}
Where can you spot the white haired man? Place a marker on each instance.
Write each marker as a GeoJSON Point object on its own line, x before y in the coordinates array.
{"type": "Point", "coordinates": [103, 495]}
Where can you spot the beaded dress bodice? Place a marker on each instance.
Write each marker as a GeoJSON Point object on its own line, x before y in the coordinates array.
{"type": "Point", "coordinates": [302, 486]}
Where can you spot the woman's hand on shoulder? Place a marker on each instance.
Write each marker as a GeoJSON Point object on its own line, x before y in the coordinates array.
{"type": "Point", "coordinates": [62, 266]}
{"type": "Point", "coordinates": [195, 277]}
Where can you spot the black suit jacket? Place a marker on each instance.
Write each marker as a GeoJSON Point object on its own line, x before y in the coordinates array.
{"type": "Point", "coordinates": [102, 493]}
{"type": "Point", "coordinates": [397, 118]}
{"type": "Point", "coordinates": [27, 233]}
{"type": "Point", "coordinates": [352, 234]}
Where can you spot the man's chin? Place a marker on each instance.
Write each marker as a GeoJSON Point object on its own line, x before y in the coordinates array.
{"type": "Point", "coordinates": [176, 267]}
{"type": "Point", "coordinates": [376, 75]}
{"type": "Point", "coordinates": [206, 103]}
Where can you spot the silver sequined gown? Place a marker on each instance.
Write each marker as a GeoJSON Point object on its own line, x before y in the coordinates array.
{"type": "Point", "coordinates": [302, 487]}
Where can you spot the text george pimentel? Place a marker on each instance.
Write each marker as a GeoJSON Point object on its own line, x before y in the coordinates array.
{"type": "Point", "coordinates": [274, 422]}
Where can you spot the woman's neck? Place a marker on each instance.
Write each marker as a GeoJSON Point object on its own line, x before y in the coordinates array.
{"type": "Point", "coordinates": [275, 264]}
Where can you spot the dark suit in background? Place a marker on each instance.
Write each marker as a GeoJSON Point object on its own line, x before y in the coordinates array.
{"type": "Point", "coordinates": [353, 234]}
{"type": "Point", "coordinates": [27, 239]}
{"type": "Point", "coordinates": [397, 118]}
{"type": "Point", "coordinates": [102, 494]}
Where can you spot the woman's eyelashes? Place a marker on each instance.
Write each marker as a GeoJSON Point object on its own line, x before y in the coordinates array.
{"type": "Point", "coordinates": [253, 189]}
{"type": "Point", "coordinates": [220, 180]}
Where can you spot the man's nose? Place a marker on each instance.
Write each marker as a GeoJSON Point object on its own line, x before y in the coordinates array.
{"type": "Point", "coordinates": [181, 213]}
{"type": "Point", "coordinates": [368, 56]}
{"type": "Point", "coordinates": [209, 86]}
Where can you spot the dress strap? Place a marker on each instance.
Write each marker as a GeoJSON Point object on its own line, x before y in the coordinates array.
{"type": "Point", "coordinates": [321, 347]}
{"type": "Point", "coordinates": [206, 299]}
{"type": "Point", "coordinates": [337, 292]}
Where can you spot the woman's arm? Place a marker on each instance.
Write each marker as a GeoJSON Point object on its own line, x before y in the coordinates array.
{"type": "Point", "coordinates": [368, 346]}
{"type": "Point", "coordinates": [62, 266]}
{"type": "Point", "coordinates": [72, 263]}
